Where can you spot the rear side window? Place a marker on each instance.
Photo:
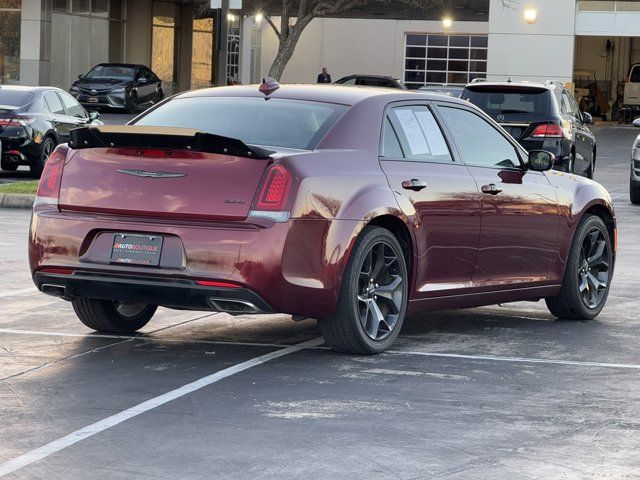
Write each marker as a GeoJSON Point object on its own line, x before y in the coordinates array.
{"type": "Point", "coordinates": [635, 74]}
{"type": "Point", "coordinates": [390, 144]}
{"type": "Point", "coordinates": [53, 102]}
{"type": "Point", "coordinates": [480, 144]}
{"type": "Point", "coordinates": [15, 98]}
{"type": "Point", "coordinates": [274, 122]}
{"type": "Point", "coordinates": [419, 134]}
{"type": "Point", "coordinates": [506, 100]}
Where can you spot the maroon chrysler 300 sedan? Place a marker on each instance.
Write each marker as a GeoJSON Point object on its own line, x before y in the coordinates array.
{"type": "Point", "coordinates": [353, 206]}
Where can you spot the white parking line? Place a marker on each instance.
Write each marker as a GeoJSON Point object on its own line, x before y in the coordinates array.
{"type": "Point", "coordinates": [61, 443]}
{"type": "Point", "coordinates": [519, 359]}
{"type": "Point", "coordinates": [22, 291]}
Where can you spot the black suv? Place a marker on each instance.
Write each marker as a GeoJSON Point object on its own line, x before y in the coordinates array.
{"type": "Point", "coordinates": [540, 117]}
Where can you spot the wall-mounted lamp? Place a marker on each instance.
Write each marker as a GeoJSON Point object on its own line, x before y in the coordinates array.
{"type": "Point", "coordinates": [530, 15]}
{"type": "Point", "coordinates": [258, 17]}
{"type": "Point", "coordinates": [447, 22]}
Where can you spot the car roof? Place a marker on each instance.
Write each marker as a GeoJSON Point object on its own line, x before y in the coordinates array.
{"type": "Point", "coordinates": [116, 64]}
{"type": "Point", "coordinates": [327, 93]}
{"type": "Point", "coordinates": [547, 86]}
{"type": "Point", "coordinates": [22, 88]}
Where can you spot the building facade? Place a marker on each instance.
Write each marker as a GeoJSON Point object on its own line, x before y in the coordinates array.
{"type": "Point", "coordinates": [53, 41]}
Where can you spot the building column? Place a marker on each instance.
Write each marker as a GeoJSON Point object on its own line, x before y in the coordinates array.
{"type": "Point", "coordinates": [35, 42]}
{"type": "Point", "coordinates": [185, 47]}
{"type": "Point", "coordinates": [244, 65]}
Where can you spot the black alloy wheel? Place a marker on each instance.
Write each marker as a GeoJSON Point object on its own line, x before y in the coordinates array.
{"type": "Point", "coordinates": [588, 272]}
{"type": "Point", "coordinates": [593, 274]}
{"type": "Point", "coordinates": [373, 296]}
{"type": "Point", "coordinates": [380, 288]}
{"type": "Point", "coordinates": [37, 163]}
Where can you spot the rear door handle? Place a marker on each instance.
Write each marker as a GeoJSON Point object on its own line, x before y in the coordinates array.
{"type": "Point", "coordinates": [414, 184]}
{"type": "Point", "coordinates": [491, 189]}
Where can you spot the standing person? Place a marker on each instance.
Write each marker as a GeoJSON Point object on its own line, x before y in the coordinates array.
{"type": "Point", "coordinates": [324, 77]}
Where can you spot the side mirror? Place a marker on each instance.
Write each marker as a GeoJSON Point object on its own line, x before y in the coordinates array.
{"type": "Point", "coordinates": [587, 118]}
{"type": "Point", "coordinates": [93, 116]}
{"type": "Point", "coordinates": [541, 161]}
{"type": "Point", "coordinates": [142, 81]}
{"type": "Point", "coordinates": [81, 76]}
{"type": "Point", "coordinates": [636, 122]}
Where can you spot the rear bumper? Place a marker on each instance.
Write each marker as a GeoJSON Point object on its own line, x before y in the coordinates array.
{"type": "Point", "coordinates": [173, 293]}
{"type": "Point", "coordinates": [294, 267]}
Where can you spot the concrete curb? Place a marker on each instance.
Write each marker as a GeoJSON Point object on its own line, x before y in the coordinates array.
{"type": "Point", "coordinates": [16, 200]}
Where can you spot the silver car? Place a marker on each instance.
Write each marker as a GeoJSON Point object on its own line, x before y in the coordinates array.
{"type": "Point", "coordinates": [634, 182]}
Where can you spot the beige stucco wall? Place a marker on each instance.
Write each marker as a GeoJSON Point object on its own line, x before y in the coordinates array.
{"type": "Point", "coordinates": [347, 46]}
{"type": "Point", "coordinates": [537, 52]}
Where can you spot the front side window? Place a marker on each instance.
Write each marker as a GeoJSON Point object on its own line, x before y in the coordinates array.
{"type": "Point", "coordinates": [73, 108]}
{"type": "Point", "coordinates": [277, 122]}
{"type": "Point", "coordinates": [419, 134]}
{"type": "Point", "coordinates": [480, 144]}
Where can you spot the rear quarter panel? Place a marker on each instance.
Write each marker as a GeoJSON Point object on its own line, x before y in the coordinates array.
{"type": "Point", "coordinates": [576, 195]}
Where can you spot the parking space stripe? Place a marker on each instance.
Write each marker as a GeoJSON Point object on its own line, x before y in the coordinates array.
{"type": "Point", "coordinates": [22, 291]}
{"type": "Point", "coordinates": [491, 358]}
{"type": "Point", "coordinates": [61, 443]}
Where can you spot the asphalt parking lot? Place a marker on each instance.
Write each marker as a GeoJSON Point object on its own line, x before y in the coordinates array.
{"type": "Point", "coordinates": [502, 392]}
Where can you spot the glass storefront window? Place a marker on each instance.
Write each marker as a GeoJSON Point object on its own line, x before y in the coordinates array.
{"type": "Point", "coordinates": [202, 53]}
{"type": "Point", "coordinates": [60, 5]}
{"type": "Point", "coordinates": [10, 41]}
{"type": "Point", "coordinates": [444, 59]}
{"type": "Point", "coordinates": [163, 49]}
{"type": "Point", "coordinates": [80, 6]}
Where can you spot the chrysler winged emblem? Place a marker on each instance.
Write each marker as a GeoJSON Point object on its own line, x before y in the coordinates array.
{"type": "Point", "coordinates": [145, 173]}
{"type": "Point", "coordinates": [93, 90]}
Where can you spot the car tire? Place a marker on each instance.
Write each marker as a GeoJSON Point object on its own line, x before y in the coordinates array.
{"type": "Point", "coordinates": [8, 167]}
{"type": "Point", "coordinates": [132, 104]}
{"type": "Point", "coordinates": [372, 301]}
{"type": "Point", "coordinates": [587, 277]}
{"type": "Point", "coordinates": [112, 317]}
{"type": "Point", "coordinates": [37, 163]}
{"type": "Point", "coordinates": [634, 192]}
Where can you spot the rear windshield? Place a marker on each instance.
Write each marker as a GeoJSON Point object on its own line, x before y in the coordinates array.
{"type": "Point", "coordinates": [509, 100]}
{"type": "Point", "coordinates": [111, 71]}
{"type": "Point", "coordinates": [274, 122]}
{"type": "Point", "coordinates": [14, 98]}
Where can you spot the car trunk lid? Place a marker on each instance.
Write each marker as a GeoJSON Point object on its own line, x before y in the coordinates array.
{"type": "Point", "coordinates": [168, 173]}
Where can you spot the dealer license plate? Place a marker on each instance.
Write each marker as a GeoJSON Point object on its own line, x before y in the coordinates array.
{"type": "Point", "coordinates": [135, 249]}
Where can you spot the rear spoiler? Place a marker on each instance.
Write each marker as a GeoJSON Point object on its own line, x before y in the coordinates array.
{"type": "Point", "coordinates": [170, 138]}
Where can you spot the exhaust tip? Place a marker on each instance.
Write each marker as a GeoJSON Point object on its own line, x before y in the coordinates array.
{"type": "Point", "coordinates": [53, 290]}
{"type": "Point", "coordinates": [233, 306]}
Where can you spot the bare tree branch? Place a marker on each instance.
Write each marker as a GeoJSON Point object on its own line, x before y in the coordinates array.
{"type": "Point", "coordinates": [273, 26]}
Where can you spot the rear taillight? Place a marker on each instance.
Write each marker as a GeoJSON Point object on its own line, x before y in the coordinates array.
{"type": "Point", "coordinates": [51, 178]}
{"type": "Point", "coordinates": [16, 121]}
{"type": "Point", "coordinates": [548, 130]}
{"type": "Point", "coordinates": [627, 79]}
{"type": "Point", "coordinates": [273, 196]}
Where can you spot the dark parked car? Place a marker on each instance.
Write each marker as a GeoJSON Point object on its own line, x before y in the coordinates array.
{"type": "Point", "coordinates": [352, 206]}
{"type": "Point", "coordinates": [540, 116]}
{"type": "Point", "coordinates": [634, 180]}
{"type": "Point", "coordinates": [118, 85]}
{"type": "Point", "coordinates": [443, 89]}
{"type": "Point", "coordinates": [33, 120]}
{"type": "Point", "coordinates": [371, 81]}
